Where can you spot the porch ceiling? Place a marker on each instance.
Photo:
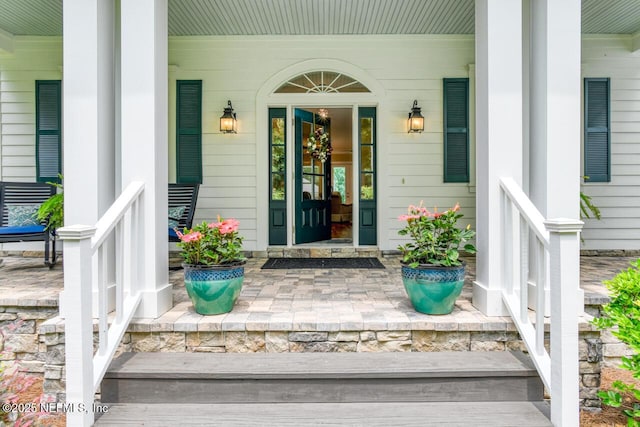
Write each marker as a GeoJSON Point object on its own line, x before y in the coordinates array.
{"type": "Point", "coordinates": [316, 17]}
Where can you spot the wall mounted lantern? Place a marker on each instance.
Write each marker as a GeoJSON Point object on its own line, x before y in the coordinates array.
{"type": "Point", "coordinates": [228, 122]}
{"type": "Point", "coordinates": [416, 120]}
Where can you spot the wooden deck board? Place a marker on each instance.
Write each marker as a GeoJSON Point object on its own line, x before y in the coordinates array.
{"type": "Point", "coordinates": [320, 365]}
{"type": "Point", "coordinates": [489, 414]}
{"type": "Point", "coordinates": [321, 377]}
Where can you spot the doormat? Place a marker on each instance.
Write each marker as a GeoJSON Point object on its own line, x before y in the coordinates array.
{"type": "Point", "coordinates": [288, 263]}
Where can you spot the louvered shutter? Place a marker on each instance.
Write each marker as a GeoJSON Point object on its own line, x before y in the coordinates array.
{"type": "Point", "coordinates": [189, 132]}
{"type": "Point", "coordinates": [456, 130]}
{"type": "Point", "coordinates": [48, 130]}
{"type": "Point", "coordinates": [597, 130]}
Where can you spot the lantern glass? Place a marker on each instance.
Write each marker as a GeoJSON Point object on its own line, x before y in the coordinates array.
{"type": "Point", "coordinates": [228, 122]}
{"type": "Point", "coordinates": [416, 119]}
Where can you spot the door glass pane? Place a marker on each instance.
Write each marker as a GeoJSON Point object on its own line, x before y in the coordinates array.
{"type": "Point", "coordinates": [277, 131]}
{"type": "Point", "coordinates": [307, 160]}
{"type": "Point", "coordinates": [277, 158]}
{"type": "Point", "coordinates": [366, 130]}
{"type": "Point", "coordinates": [307, 186]}
{"type": "Point", "coordinates": [366, 158]}
{"type": "Point", "coordinates": [277, 190]}
{"type": "Point", "coordinates": [319, 188]}
{"type": "Point", "coordinates": [366, 186]}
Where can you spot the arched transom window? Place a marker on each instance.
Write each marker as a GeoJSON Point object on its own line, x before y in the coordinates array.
{"type": "Point", "coordinates": [322, 82]}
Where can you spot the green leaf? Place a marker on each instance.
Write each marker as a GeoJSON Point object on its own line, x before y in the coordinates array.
{"type": "Point", "coordinates": [587, 207]}
{"type": "Point", "coordinates": [610, 398]}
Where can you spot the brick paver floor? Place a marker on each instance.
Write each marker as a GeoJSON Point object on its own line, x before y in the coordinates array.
{"type": "Point", "coordinates": [303, 299]}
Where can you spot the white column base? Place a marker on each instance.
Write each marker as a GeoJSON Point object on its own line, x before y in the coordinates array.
{"type": "Point", "coordinates": [155, 302]}
{"type": "Point", "coordinates": [63, 307]}
{"type": "Point", "coordinates": [488, 300]}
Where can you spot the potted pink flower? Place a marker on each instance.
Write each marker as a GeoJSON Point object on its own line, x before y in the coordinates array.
{"type": "Point", "coordinates": [213, 265]}
{"type": "Point", "coordinates": [432, 272]}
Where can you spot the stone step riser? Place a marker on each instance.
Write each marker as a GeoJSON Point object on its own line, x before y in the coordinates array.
{"type": "Point", "coordinates": [319, 252]}
{"type": "Point", "coordinates": [443, 389]}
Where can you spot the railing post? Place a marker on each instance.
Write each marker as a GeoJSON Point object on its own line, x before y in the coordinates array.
{"type": "Point", "coordinates": [78, 323]}
{"type": "Point", "coordinates": [564, 257]}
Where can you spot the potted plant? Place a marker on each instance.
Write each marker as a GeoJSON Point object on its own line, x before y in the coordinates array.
{"type": "Point", "coordinates": [51, 211]}
{"type": "Point", "coordinates": [432, 272]}
{"type": "Point", "coordinates": [213, 265]}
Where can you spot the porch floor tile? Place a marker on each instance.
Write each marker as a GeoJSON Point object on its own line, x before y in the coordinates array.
{"type": "Point", "coordinates": [302, 300]}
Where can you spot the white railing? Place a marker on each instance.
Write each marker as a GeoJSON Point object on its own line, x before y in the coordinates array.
{"type": "Point", "coordinates": [84, 248]}
{"type": "Point", "coordinates": [556, 247]}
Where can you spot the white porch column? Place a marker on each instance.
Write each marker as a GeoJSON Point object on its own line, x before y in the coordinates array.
{"type": "Point", "coordinates": [498, 136]}
{"type": "Point", "coordinates": [555, 111]}
{"type": "Point", "coordinates": [144, 79]}
{"type": "Point", "coordinates": [89, 114]}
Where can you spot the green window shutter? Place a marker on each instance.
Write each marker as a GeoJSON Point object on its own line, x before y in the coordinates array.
{"type": "Point", "coordinates": [456, 130]}
{"type": "Point", "coordinates": [189, 132]}
{"type": "Point", "coordinates": [597, 130]}
{"type": "Point", "coordinates": [48, 130]}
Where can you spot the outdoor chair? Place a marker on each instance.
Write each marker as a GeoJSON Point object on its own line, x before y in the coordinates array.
{"type": "Point", "coordinates": [19, 203]}
{"type": "Point", "coordinates": [182, 206]}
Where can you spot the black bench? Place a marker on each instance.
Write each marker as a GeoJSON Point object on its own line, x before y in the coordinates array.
{"type": "Point", "coordinates": [181, 196]}
{"type": "Point", "coordinates": [21, 198]}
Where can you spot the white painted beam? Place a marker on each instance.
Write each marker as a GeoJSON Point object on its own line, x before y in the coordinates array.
{"type": "Point", "coordinates": [565, 282]}
{"type": "Point", "coordinates": [89, 116]}
{"type": "Point", "coordinates": [144, 133]}
{"type": "Point", "coordinates": [78, 326]}
{"type": "Point", "coordinates": [555, 182]}
{"type": "Point", "coordinates": [6, 41]}
{"type": "Point", "coordinates": [498, 137]}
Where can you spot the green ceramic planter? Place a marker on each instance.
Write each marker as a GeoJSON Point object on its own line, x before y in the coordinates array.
{"type": "Point", "coordinates": [213, 289]}
{"type": "Point", "coordinates": [433, 289]}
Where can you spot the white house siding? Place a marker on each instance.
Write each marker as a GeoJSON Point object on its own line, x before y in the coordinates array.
{"type": "Point", "coordinates": [618, 200]}
{"type": "Point", "coordinates": [33, 58]}
{"type": "Point", "coordinates": [410, 167]}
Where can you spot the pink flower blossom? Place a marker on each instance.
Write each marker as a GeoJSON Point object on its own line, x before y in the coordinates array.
{"type": "Point", "coordinates": [216, 224]}
{"type": "Point", "coordinates": [194, 236]}
{"type": "Point", "coordinates": [229, 226]}
{"type": "Point", "coordinates": [456, 208]}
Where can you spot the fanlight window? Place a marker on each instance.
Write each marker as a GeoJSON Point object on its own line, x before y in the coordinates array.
{"type": "Point", "coordinates": [322, 82]}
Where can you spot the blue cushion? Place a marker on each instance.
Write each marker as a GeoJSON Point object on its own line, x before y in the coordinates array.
{"type": "Point", "coordinates": [27, 229]}
{"type": "Point", "coordinates": [172, 233]}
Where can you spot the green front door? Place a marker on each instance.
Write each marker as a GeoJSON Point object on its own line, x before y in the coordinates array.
{"type": "Point", "coordinates": [312, 185]}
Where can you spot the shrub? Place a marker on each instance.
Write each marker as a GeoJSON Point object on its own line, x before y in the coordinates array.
{"type": "Point", "coordinates": [622, 315]}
